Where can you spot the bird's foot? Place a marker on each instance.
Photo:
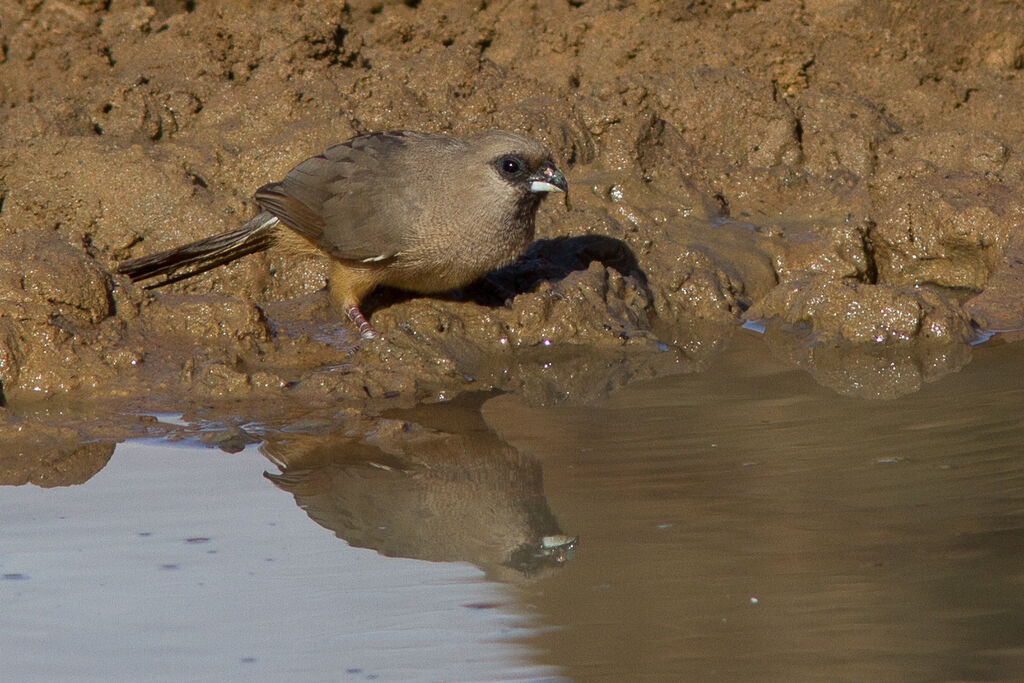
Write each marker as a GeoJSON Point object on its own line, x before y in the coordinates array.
{"type": "Point", "coordinates": [366, 330]}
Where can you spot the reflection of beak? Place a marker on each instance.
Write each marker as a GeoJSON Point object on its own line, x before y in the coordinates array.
{"type": "Point", "coordinates": [558, 541]}
{"type": "Point", "coordinates": [551, 551]}
{"type": "Point", "coordinates": [548, 179]}
{"type": "Point", "coordinates": [557, 549]}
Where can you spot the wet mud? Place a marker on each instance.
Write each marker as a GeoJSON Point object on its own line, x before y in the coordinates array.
{"type": "Point", "coordinates": [843, 175]}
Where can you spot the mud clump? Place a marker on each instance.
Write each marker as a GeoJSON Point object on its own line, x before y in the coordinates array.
{"type": "Point", "coordinates": [870, 340]}
{"type": "Point", "coordinates": [861, 313]}
{"type": "Point", "coordinates": [833, 170]}
{"type": "Point", "coordinates": [943, 228]}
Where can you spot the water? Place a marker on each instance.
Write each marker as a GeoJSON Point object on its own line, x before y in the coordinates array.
{"type": "Point", "coordinates": [186, 564]}
{"type": "Point", "coordinates": [740, 524]}
{"type": "Point", "coordinates": [746, 524]}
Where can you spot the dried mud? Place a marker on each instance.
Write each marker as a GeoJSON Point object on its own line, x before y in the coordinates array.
{"type": "Point", "coordinates": [845, 175]}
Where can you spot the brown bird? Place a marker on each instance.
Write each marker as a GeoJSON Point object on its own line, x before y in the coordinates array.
{"type": "Point", "coordinates": [417, 211]}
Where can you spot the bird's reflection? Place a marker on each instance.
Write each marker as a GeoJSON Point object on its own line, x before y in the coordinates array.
{"type": "Point", "coordinates": [431, 483]}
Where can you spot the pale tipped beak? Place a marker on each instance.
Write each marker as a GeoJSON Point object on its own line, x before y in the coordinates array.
{"type": "Point", "coordinates": [548, 179]}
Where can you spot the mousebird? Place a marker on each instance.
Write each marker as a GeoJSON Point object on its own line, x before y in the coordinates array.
{"type": "Point", "coordinates": [417, 211]}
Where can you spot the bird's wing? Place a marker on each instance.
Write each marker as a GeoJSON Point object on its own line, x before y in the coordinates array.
{"type": "Point", "coordinates": [352, 201]}
{"type": "Point", "coordinates": [275, 199]}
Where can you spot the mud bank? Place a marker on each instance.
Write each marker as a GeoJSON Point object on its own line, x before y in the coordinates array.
{"type": "Point", "coordinates": [845, 174]}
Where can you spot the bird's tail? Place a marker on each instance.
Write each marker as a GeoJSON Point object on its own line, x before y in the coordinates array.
{"type": "Point", "coordinates": [202, 255]}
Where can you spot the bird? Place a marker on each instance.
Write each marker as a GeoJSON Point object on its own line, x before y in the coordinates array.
{"type": "Point", "coordinates": [422, 212]}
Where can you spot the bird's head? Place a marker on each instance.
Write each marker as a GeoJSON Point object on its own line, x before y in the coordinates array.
{"type": "Point", "coordinates": [521, 164]}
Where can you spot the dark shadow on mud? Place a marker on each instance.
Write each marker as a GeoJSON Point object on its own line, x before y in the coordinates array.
{"type": "Point", "coordinates": [546, 260]}
{"type": "Point", "coordinates": [552, 260]}
{"type": "Point", "coordinates": [436, 484]}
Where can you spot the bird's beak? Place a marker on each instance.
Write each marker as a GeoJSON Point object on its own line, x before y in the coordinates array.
{"type": "Point", "coordinates": [548, 179]}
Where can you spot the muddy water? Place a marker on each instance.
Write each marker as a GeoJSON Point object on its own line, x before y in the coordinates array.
{"type": "Point", "coordinates": [742, 523]}
{"type": "Point", "coordinates": [746, 524]}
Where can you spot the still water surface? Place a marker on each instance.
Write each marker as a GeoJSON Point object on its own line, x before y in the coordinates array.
{"type": "Point", "coordinates": [740, 524]}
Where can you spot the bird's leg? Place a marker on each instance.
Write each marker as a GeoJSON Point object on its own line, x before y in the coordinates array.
{"type": "Point", "coordinates": [347, 286]}
{"type": "Point", "coordinates": [366, 330]}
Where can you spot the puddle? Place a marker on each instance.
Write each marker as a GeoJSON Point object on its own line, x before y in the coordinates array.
{"type": "Point", "coordinates": [185, 563]}
{"type": "Point", "coordinates": [741, 523]}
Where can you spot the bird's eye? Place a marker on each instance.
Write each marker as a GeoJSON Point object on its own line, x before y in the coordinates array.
{"type": "Point", "coordinates": [510, 166]}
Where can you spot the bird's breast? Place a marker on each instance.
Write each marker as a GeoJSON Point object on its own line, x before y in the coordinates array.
{"type": "Point", "coordinates": [446, 256]}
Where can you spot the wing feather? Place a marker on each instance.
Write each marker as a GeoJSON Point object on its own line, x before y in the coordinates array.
{"type": "Point", "coordinates": [345, 200]}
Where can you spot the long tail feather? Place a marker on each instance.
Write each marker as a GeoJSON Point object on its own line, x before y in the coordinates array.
{"type": "Point", "coordinates": [202, 255]}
